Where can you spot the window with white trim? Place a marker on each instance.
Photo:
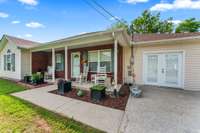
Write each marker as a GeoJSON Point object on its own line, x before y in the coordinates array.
{"type": "Point", "coordinates": [59, 62]}
{"type": "Point", "coordinates": [93, 61]}
{"type": "Point", "coordinates": [100, 61]}
{"type": "Point", "coordinates": [9, 61]}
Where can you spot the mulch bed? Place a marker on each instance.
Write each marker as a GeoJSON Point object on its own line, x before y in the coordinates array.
{"type": "Point", "coordinates": [116, 103]}
{"type": "Point", "coordinates": [32, 86]}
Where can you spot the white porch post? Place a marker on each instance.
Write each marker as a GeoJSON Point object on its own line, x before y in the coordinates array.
{"type": "Point", "coordinates": [66, 63]}
{"type": "Point", "coordinates": [31, 63]}
{"type": "Point", "coordinates": [115, 60]}
{"type": "Point", "coordinates": [53, 64]}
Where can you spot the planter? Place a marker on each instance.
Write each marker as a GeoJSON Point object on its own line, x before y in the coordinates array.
{"type": "Point", "coordinates": [41, 81]}
{"type": "Point", "coordinates": [98, 94]}
{"type": "Point", "coordinates": [27, 79]}
{"type": "Point", "coordinates": [64, 86]}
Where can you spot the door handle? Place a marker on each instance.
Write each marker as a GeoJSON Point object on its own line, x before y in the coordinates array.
{"type": "Point", "coordinates": [163, 70]}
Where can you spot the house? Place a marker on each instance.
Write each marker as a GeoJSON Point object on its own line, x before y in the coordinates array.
{"type": "Point", "coordinates": [15, 57]}
{"type": "Point", "coordinates": [68, 56]}
{"type": "Point", "coordinates": [170, 60]}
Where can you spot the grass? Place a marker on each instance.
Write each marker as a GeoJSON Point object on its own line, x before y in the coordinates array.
{"type": "Point", "coordinates": [19, 116]}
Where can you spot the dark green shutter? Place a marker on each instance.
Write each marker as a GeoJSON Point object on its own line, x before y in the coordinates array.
{"type": "Point", "coordinates": [5, 62]}
{"type": "Point", "coordinates": [13, 62]}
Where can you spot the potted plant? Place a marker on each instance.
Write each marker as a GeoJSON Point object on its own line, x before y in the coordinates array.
{"type": "Point", "coordinates": [27, 79]}
{"type": "Point", "coordinates": [98, 92]}
{"type": "Point", "coordinates": [80, 93]}
{"type": "Point", "coordinates": [35, 79]}
{"type": "Point", "coordinates": [41, 78]}
{"type": "Point", "coordinates": [64, 86]}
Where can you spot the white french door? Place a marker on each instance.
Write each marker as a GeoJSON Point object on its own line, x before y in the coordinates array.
{"type": "Point", "coordinates": [75, 64]}
{"type": "Point", "coordinates": [163, 69]}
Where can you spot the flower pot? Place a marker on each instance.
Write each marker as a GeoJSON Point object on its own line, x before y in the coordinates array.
{"type": "Point", "coordinates": [98, 95]}
{"type": "Point", "coordinates": [27, 79]}
{"type": "Point", "coordinates": [64, 86]}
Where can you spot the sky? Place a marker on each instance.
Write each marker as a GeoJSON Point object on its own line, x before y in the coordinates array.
{"type": "Point", "coordinates": [48, 20]}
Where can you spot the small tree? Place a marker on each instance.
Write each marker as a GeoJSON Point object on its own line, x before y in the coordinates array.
{"type": "Point", "coordinates": [151, 23]}
{"type": "Point", "coordinates": [188, 25]}
{"type": "Point", "coordinates": [120, 25]}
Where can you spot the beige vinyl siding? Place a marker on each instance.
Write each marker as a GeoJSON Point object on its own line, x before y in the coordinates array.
{"type": "Point", "coordinates": [191, 72]}
{"type": "Point", "coordinates": [126, 62]}
{"type": "Point", "coordinates": [25, 63]}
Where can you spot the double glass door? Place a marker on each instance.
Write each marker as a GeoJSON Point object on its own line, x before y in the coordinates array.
{"type": "Point", "coordinates": [164, 69]}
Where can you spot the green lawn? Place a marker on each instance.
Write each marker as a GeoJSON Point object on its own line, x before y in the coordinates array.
{"type": "Point", "coordinates": [20, 116]}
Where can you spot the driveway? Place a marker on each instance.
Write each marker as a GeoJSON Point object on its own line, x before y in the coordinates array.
{"type": "Point", "coordinates": [163, 111]}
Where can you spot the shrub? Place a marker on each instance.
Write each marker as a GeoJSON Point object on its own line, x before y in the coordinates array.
{"type": "Point", "coordinates": [80, 93]}
{"type": "Point", "coordinates": [98, 87]}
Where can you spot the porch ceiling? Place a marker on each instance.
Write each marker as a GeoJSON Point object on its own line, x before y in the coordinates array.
{"type": "Point", "coordinates": [91, 44]}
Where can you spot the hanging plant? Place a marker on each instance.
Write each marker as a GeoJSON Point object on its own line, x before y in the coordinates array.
{"type": "Point", "coordinates": [76, 56]}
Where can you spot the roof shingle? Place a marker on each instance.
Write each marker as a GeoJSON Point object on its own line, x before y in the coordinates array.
{"type": "Point", "coordinates": [21, 42]}
{"type": "Point", "coordinates": [157, 37]}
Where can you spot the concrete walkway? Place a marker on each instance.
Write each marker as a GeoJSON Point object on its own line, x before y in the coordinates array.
{"type": "Point", "coordinates": [103, 118]}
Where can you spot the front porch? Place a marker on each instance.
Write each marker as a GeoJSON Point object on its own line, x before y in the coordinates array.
{"type": "Point", "coordinates": [70, 62]}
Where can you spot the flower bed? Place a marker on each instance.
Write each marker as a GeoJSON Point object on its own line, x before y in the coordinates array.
{"type": "Point", "coordinates": [116, 103]}
{"type": "Point", "coordinates": [33, 86]}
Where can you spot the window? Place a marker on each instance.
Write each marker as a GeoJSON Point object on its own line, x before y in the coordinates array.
{"type": "Point", "coordinates": [9, 61]}
{"type": "Point", "coordinates": [105, 60]}
{"type": "Point", "coordinates": [93, 60]}
{"type": "Point", "coordinates": [59, 62]}
{"type": "Point", "coordinates": [100, 61]}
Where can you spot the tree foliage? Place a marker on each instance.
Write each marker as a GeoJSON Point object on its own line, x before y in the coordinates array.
{"type": "Point", "coordinates": [188, 25]}
{"type": "Point", "coordinates": [151, 23]}
{"type": "Point", "coordinates": [120, 25]}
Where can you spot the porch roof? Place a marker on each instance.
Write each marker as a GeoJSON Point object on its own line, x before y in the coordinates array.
{"type": "Point", "coordinates": [164, 38]}
{"type": "Point", "coordinates": [83, 40]}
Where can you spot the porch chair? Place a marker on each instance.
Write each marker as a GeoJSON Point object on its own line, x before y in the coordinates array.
{"type": "Point", "coordinates": [101, 76]}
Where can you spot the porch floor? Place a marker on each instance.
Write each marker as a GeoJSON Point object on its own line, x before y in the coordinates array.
{"type": "Point", "coordinates": [84, 86]}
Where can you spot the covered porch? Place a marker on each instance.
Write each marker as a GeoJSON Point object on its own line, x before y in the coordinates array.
{"type": "Point", "coordinates": [88, 55]}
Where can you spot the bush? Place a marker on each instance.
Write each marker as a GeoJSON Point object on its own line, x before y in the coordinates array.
{"type": "Point", "coordinates": [37, 78]}
{"type": "Point", "coordinates": [80, 93]}
{"type": "Point", "coordinates": [98, 88]}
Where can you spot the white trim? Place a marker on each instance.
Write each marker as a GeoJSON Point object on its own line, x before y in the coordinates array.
{"type": "Point", "coordinates": [165, 40]}
{"type": "Point", "coordinates": [66, 63]}
{"type": "Point", "coordinates": [99, 59]}
{"type": "Point", "coordinates": [115, 60]}
{"type": "Point", "coordinates": [53, 64]}
{"type": "Point", "coordinates": [72, 63]}
{"type": "Point", "coordinates": [30, 63]}
{"type": "Point", "coordinates": [161, 52]}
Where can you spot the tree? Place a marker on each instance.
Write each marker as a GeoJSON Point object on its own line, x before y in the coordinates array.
{"type": "Point", "coordinates": [120, 25]}
{"type": "Point", "coordinates": [188, 25]}
{"type": "Point", "coordinates": [151, 23]}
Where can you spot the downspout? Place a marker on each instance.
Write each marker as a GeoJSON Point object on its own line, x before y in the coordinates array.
{"type": "Point", "coordinates": [132, 62]}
